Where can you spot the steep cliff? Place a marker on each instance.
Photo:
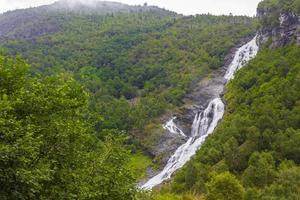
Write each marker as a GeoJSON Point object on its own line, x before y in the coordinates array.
{"type": "Point", "coordinates": [280, 22]}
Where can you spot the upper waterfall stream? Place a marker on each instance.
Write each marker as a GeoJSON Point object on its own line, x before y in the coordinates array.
{"type": "Point", "coordinates": [204, 122]}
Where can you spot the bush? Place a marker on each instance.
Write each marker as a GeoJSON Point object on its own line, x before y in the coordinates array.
{"type": "Point", "coordinates": [224, 186]}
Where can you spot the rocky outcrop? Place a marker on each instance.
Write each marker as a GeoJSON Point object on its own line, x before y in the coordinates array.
{"type": "Point", "coordinates": [281, 32]}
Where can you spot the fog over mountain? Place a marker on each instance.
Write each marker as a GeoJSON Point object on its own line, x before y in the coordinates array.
{"type": "Point", "coordinates": [237, 7]}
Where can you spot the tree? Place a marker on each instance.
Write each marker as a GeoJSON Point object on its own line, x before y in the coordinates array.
{"type": "Point", "coordinates": [287, 184]}
{"type": "Point", "coordinates": [261, 170]}
{"type": "Point", "coordinates": [287, 145]}
{"type": "Point", "coordinates": [224, 187]}
{"type": "Point", "coordinates": [48, 149]}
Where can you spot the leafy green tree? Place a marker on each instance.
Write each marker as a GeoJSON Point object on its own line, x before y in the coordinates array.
{"type": "Point", "coordinates": [261, 170]}
{"type": "Point", "coordinates": [252, 194]}
{"type": "Point", "coordinates": [287, 184]}
{"type": "Point", "coordinates": [224, 186]}
{"type": "Point", "coordinates": [287, 145]}
{"type": "Point", "coordinates": [48, 149]}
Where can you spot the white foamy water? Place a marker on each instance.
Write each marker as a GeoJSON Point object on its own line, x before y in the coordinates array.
{"type": "Point", "coordinates": [172, 127]}
{"type": "Point", "coordinates": [241, 57]}
{"type": "Point", "coordinates": [204, 122]}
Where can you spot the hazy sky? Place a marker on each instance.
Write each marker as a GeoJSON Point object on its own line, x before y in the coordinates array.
{"type": "Point", "coordinates": [237, 7]}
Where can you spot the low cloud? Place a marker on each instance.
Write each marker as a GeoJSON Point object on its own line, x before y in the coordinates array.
{"type": "Point", "coordinates": [242, 7]}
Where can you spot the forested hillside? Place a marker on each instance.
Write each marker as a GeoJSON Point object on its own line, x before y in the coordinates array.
{"type": "Point", "coordinates": [255, 150]}
{"type": "Point", "coordinates": [254, 153]}
{"type": "Point", "coordinates": [84, 89]}
{"type": "Point", "coordinates": [136, 65]}
{"type": "Point", "coordinates": [49, 149]}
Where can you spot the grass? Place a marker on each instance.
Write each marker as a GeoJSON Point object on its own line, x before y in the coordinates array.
{"type": "Point", "coordinates": [139, 163]}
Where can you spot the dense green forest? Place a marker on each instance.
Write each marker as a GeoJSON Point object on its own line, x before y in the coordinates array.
{"type": "Point", "coordinates": [49, 149]}
{"type": "Point", "coordinates": [81, 94]}
{"type": "Point", "coordinates": [135, 65]}
{"type": "Point", "coordinates": [92, 81]}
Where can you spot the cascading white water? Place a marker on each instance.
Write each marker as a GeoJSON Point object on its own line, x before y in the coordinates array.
{"type": "Point", "coordinates": [187, 150]}
{"type": "Point", "coordinates": [172, 127]}
{"type": "Point", "coordinates": [241, 57]}
{"type": "Point", "coordinates": [204, 122]}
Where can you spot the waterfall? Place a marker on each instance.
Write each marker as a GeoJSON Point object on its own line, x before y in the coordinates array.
{"type": "Point", "coordinates": [204, 122]}
{"type": "Point", "coordinates": [241, 57]}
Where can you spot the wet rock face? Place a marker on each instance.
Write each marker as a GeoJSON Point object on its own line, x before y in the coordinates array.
{"type": "Point", "coordinates": [166, 146]}
{"type": "Point", "coordinates": [204, 91]}
{"type": "Point", "coordinates": [287, 30]}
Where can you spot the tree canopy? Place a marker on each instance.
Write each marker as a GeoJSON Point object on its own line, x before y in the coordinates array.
{"type": "Point", "coordinates": [48, 148]}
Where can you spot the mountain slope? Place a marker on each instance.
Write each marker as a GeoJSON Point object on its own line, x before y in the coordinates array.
{"type": "Point", "coordinates": [137, 65]}
{"type": "Point", "coordinates": [45, 20]}
{"type": "Point", "coordinates": [254, 153]}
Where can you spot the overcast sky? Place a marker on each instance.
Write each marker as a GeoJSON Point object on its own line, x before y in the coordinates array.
{"type": "Point", "coordinates": [187, 7]}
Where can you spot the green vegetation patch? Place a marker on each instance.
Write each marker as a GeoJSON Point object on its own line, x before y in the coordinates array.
{"type": "Point", "coordinates": [139, 163]}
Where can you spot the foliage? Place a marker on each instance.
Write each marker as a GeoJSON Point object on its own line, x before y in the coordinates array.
{"type": "Point", "coordinates": [261, 170]}
{"type": "Point", "coordinates": [168, 196]}
{"type": "Point", "coordinates": [224, 187]}
{"type": "Point", "coordinates": [48, 149]}
{"type": "Point", "coordinates": [59, 141]}
{"type": "Point", "coordinates": [65, 142]}
{"type": "Point", "coordinates": [280, 5]}
{"type": "Point", "coordinates": [271, 10]}
{"type": "Point", "coordinates": [286, 186]}
{"type": "Point", "coordinates": [138, 163]}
